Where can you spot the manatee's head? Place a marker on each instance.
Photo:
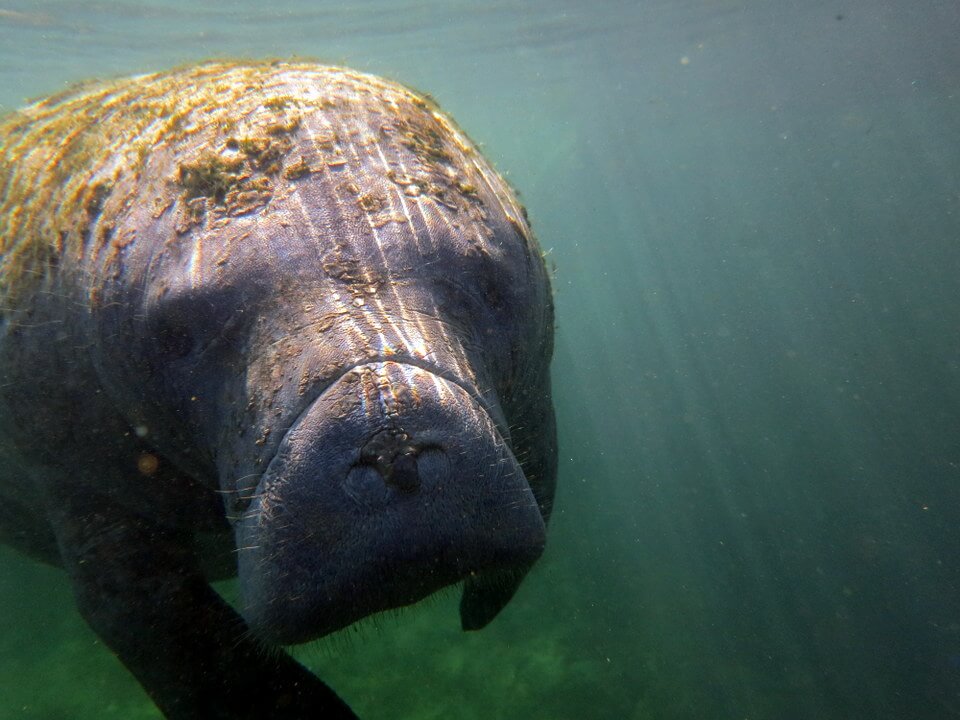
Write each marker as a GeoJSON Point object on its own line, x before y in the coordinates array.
{"type": "Point", "coordinates": [352, 342]}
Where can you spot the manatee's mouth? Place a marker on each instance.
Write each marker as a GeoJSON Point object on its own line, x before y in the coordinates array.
{"type": "Point", "coordinates": [393, 483]}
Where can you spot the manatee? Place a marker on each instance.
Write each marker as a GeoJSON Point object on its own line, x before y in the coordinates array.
{"type": "Point", "coordinates": [278, 320]}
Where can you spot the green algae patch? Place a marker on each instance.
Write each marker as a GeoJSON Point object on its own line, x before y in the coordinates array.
{"type": "Point", "coordinates": [211, 176]}
{"type": "Point", "coordinates": [297, 170]}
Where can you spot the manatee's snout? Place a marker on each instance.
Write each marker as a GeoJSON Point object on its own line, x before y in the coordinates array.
{"type": "Point", "coordinates": [394, 483]}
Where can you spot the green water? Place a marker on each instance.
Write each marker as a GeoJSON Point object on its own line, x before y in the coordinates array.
{"type": "Point", "coordinates": [754, 213]}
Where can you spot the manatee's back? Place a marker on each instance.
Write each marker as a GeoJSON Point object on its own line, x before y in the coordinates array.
{"type": "Point", "coordinates": [217, 139]}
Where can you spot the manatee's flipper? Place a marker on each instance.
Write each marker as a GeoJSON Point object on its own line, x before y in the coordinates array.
{"type": "Point", "coordinates": [486, 595]}
{"type": "Point", "coordinates": [144, 594]}
{"type": "Point", "coordinates": [26, 531]}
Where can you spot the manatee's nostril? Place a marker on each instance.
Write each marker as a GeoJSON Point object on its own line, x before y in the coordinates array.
{"type": "Point", "coordinates": [394, 455]}
{"type": "Point", "coordinates": [405, 474]}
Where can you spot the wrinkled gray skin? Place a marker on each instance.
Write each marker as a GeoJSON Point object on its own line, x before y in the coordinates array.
{"type": "Point", "coordinates": [348, 416]}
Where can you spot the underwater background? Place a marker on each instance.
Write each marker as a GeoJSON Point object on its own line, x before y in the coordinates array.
{"type": "Point", "coordinates": [752, 209]}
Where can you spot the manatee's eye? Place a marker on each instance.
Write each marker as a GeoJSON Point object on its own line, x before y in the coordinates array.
{"type": "Point", "coordinates": [206, 324]}
{"type": "Point", "coordinates": [192, 323]}
{"type": "Point", "coordinates": [174, 340]}
{"type": "Point", "coordinates": [477, 296]}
